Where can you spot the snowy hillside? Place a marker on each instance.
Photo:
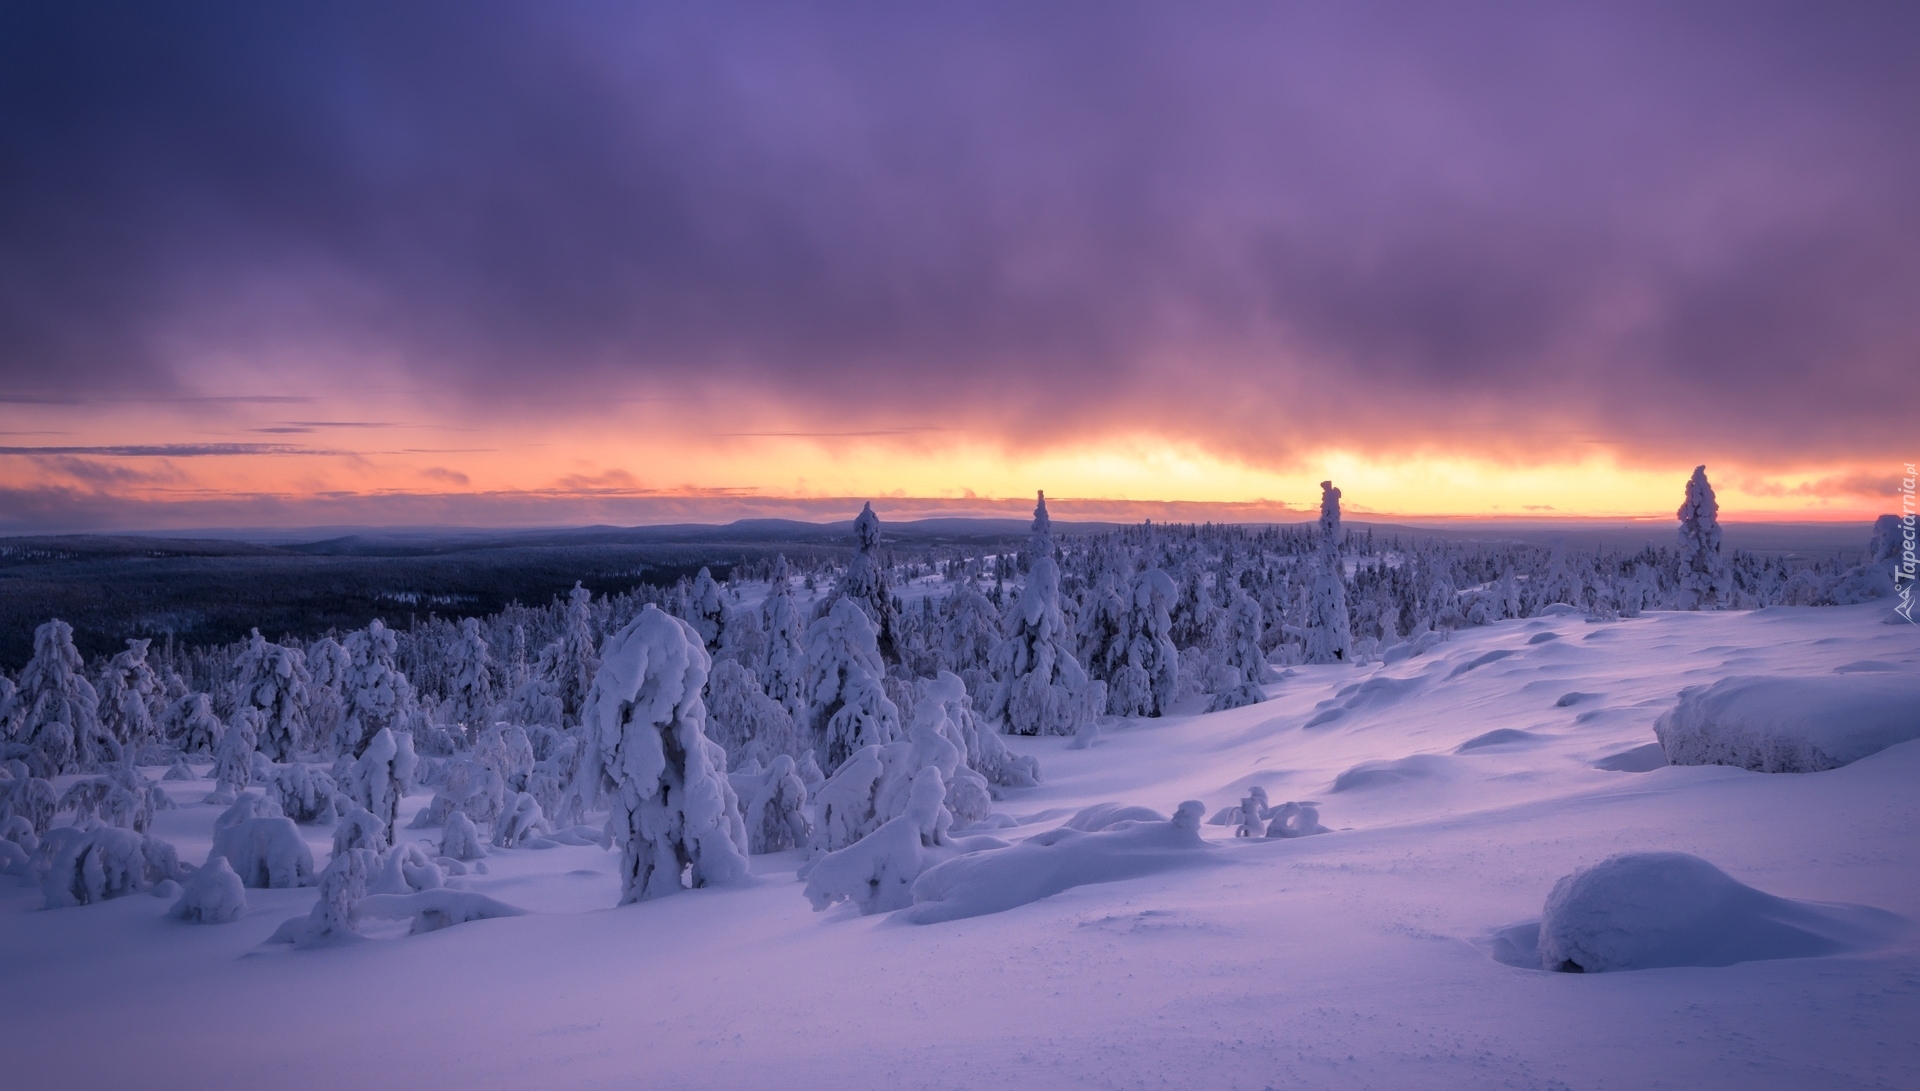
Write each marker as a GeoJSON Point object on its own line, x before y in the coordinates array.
{"type": "Point", "coordinates": [1459, 786]}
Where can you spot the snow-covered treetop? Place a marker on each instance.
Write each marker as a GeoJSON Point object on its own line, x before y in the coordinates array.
{"type": "Point", "coordinates": [1329, 513]}
{"type": "Point", "coordinates": [1699, 515]}
{"type": "Point", "coordinates": [1041, 542]}
{"type": "Point", "coordinates": [866, 529]}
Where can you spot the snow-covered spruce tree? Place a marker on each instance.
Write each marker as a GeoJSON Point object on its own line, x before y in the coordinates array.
{"type": "Point", "coordinates": [706, 611]}
{"type": "Point", "coordinates": [1146, 686]}
{"type": "Point", "coordinates": [1329, 631]}
{"type": "Point", "coordinates": [274, 679]}
{"type": "Point", "coordinates": [189, 724]}
{"type": "Point", "coordinates": [1039, 687]}
{"type": "Point", "coordinates": [969, 631]}
{"type": "Point", "coordinates": [877, 872]}
{"type": "Point", "coordinates": [865, 582]}
{"type": "Point", "coordinates": [743, 640]}
{"type": "Point", "coordinates": [127, 691]}
{"type": "Point", "coordinates": [847, 705]}
{"type": "Point", "coordinates": [381, 776]}
{"type": "Point", "coordinates": [1704, 580]}
{"type": "Point", "coordinates": [233, 755]}
{"type": "Point", "coordinates": [749, 725]}
{"type": "Point", "coordinates": [773, 805]}
{"type": "Point", "coordinates": [785, 676]}
{"type": "Point", "coordinates": [569, 663]}
{"type": "Point", "coordinates": [1244, 657]}
{"type": "Point", "coordinates": [107, 862]}
{"type": "Point", "coordinates": [1040, 538]}
{"type": "Point", "coordinates": [328, 668]}
{"type": "Point", "coordinates": [378, 696]}
{"type": "Point", "coordinates": [647, 757]}
{"type": "Point", "coordinates": [981, 747]}
{"type": "Point", "coordinates": [470, 678]}
{"type": "Point", "coordinates": [61, 709]}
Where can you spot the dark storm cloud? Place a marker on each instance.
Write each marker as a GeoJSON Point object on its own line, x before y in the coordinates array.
{"type": "Point", "coordinates": [1509, 226]}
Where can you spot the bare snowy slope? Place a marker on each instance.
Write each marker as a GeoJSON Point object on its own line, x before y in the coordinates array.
{"type": "Point", "coordinates": [1461, 784]}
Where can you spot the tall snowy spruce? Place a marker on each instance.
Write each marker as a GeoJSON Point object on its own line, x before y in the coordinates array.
{"type": "Point", "coordinates": [865, 582]}
{"type": "Point", "coordinates": [470, 687]}
{"type": "Point", "coordinates": [377, 695]}
{"type": "Point", "coordinates": [647, 756]}
{"type": "Point", "coordinates": [1329, 632]}
{"type": "Point", "coordinates": [571, 661]}
{"type": "Point", "coordinates": [60, 710]}
{"type": "Point", "coordinates": [274, 679]}
{"type": "Point", "coordinates": [847, 703]}
{"type": "Point", "coordinates": [1039, 687]}
{"type": "Point", "coordinates": [129, 692]}
{"type": "Point", "coordinates": [785, 675]}
{"type": "Point", "coordinates": [1704, 580]}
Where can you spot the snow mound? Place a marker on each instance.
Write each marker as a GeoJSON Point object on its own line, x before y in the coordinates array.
{"type": "Point", "coordinates": [1391, 772]}
{"type": "Point", "coordinates": [1499, 736]}
{"type": "Point", "coordinates": [434, 909]}
{"type": "Point", "coordinates": [1640, 759]}
{"type": "Point", "coordinates": [1643, 910]}
{"type": "Point", "coordinates": [1060, 859]}
{"type": "Point", "coordinates": [1790, 725]}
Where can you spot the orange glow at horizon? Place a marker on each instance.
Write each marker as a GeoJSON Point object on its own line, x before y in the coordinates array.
{"type": "Point", "coordinates": [332, 460]}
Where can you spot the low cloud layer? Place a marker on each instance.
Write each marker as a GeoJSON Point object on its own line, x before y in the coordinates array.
{"type": "Point", "coordinates": [1518, 231]}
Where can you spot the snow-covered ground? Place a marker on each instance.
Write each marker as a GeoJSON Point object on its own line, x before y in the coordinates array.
{"type": "Point", "coordinates": [1461, 785]}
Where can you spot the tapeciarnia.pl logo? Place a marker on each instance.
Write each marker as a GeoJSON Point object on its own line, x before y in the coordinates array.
{"type": "Point", "coordinates": [1904, 568]}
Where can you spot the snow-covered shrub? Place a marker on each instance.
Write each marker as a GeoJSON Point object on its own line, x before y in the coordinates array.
{"type": "Point", "coordinates": [877, 872]}
{"type": "Point", "coordinates": [549, 782]}
{"type": "Point", "coordinates": [342, 886]}
{"type": "Point", "coordinates": [27, 796]}
{"type": "Point", "coordinates": [122, 798]}
{"type": "Point", "coordinates": [213, 894]}
{"type": "Point", "coordinates": [306, 794]}
{"type": "Point", "coordinates": [471, 786]}
{"type": "Point", "coordinates": [1293, 819]}
{"type": "Point", "coordinates": [461, 841]}
{"type": "Point", "coordinates": [381, 776]}
{"type": "Point", "coordinates": [264, 850]}
{"type": "Point", "coordinates": [674, 813]}
{"type": "Point", "coordinates": [108, 862]}
{"type": "Point", "coordinates": [773, 806]}
{"type": "Point", "coordinates": [404, 869]}
{"type": "Point", "coordinates": [520, 822]}
{"type": "Point", "coordinates": [1253, 813]}
{"type": "Point", "coordinates": [360, 828]}
{"type": "Point", "coordinates": [1790, 725]}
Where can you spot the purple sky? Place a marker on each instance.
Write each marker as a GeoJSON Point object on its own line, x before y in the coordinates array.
{"type": "Point", "coordinates": [1517, 231]}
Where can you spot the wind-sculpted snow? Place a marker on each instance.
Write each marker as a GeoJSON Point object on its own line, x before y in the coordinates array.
{"type": "Point", "coordinates": [1060, 859]}
{"type": "Point", "coordinates": [1639, 911]}
{"type": "Point", "coordinates": [1790, 725]}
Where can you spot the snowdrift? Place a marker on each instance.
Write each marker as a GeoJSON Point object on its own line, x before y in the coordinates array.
{"type": "Point", "coordinates": [1640, 911]}
{"type": "Point", "coordinates": [1790, 725]}
{"type": "Point", "coordinates": [1060, 859]}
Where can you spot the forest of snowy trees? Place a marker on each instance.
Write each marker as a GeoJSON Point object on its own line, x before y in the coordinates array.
{"type": "Point", "coordinates": [859, 715]}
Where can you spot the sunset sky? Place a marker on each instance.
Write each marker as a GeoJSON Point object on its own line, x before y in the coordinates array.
{"type": "Point", "coordinates": [482, 264]}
